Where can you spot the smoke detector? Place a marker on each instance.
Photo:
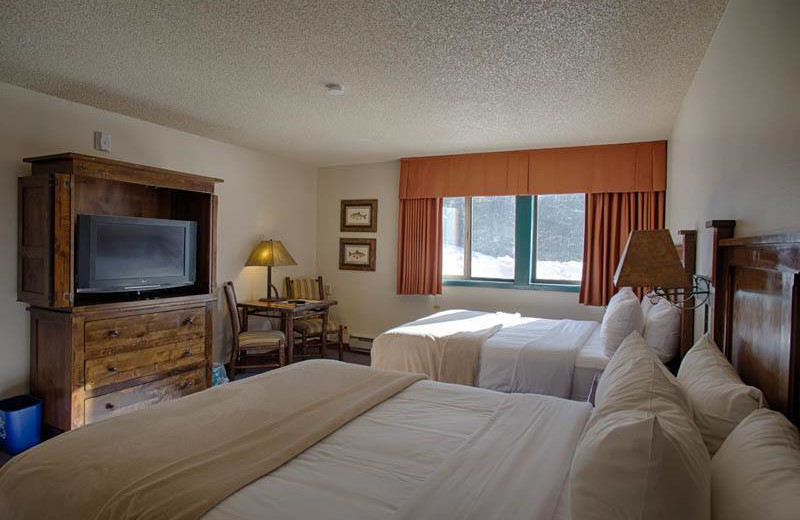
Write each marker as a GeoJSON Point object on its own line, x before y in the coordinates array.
{"type": "Point", "coordinates": [334, 89]}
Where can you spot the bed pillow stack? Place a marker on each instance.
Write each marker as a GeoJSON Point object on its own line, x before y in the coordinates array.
{"type": "Point", "coordinates": [623, 316]}
{"type": "Point", "coordinates": [719, 398]}
{"type": "Point", "coordinates": [756, 471]}
{"type": "Point", "coordinates": [641, 455]}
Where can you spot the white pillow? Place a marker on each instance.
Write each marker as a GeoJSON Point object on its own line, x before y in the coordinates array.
{"type": "Point", "coordinates": [662, 329]}
{"type": "Point", "coordinates": [719, 397]}
{"type": "Point", "coordinates": [623, 316]}
{"type": "Point", "coordinates": [641, 455]}
{"type": "Point", "coordinates": [646, 305]}
{"type": "Point", "coordinates": [756, 472]}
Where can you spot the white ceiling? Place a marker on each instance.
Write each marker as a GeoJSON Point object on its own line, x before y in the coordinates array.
{"type": "Point", "coordinates": [421, 77]}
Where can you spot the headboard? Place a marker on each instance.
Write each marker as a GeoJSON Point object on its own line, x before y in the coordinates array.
{"type": "Point", "coordinates": [687, 251]}
{"type": "Point", "coordinates": [756, 311]}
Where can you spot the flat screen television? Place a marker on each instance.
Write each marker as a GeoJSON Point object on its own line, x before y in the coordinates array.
{"type": "Point", "coordinates": [126, 254]}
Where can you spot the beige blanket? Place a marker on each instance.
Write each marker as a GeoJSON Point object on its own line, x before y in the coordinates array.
{"type": "Point", "coordinates": [445, 347]}
{"type": "Point", "coordinates": [179, 459]}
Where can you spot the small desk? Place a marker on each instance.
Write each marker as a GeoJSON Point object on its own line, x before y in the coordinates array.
{"type": "Point", "coordinates": [287, 312]}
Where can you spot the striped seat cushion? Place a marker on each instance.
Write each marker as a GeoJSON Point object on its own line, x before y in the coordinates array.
{"type": "Point", "coordinates": [313, 326]}
{"type": "Point", "coordinates": [260, 340]}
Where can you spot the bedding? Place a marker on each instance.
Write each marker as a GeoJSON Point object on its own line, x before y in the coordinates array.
{"type": "Point", "coordinates": [756, 471]}
{"type": "Point", "coordinates": [426, 450]}
{"type": "Point", "coordinates": [719, 397]}
{"type": "Point", "coordinates": [623, 316]}
{"type": "Point", "coordinates": [383, 463]}
{"type": "Point", "coordinates": [526, 355]}
{"type": "Point", "coordinates": [641, 455]}
{"type": "Point", "coordinates": [178, 459]}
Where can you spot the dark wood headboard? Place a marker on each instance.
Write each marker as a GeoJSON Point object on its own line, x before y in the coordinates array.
{"type": "Point", "coordinates": [756, 311]}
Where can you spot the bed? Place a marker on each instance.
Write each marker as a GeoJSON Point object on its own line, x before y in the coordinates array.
{"type": "Point", "coordinates": [354, 442]}
{"type": "Point", "coordinates": [511, 353]}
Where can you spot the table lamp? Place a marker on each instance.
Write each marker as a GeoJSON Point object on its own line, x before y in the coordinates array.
{"type": "Point", "coordinates": [269, 254]}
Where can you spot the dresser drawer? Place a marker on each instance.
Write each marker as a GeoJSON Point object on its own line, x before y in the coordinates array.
{"type": "Point", "coordinates": [137, 397]}
{"type": "Point", "coordinates": [130, 364]}
{"type": "Point", "coordinates": [109, 336]}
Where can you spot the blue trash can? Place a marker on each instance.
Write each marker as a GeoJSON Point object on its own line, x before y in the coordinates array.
{"type": "Point", "coordinates": [20, 423]}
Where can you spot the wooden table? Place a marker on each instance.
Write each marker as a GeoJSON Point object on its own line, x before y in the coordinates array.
{"type": "Point", "coordinates": [288, 312]}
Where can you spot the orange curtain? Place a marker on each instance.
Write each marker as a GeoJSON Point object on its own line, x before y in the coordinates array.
{"type": "Point", "coordinates": [419, 246]}
{"type": "Point", "coordinates": [613, 168]}
{"type": "Point", "coordinates": [610, 217]}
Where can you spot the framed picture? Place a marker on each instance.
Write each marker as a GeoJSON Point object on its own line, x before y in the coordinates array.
{"type": "Point", "coordinates": [360, 215]}
{"type": "Point", "coordinates": [357, 254]}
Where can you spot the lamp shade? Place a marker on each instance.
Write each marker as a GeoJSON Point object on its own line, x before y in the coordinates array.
{"type": "Point", "coordinates": [651, 260]}
{"type": "Point", "coordinates": [270, 253]}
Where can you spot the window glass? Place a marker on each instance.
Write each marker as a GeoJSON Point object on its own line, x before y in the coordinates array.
{"type": "Point", "coordinates": [453, 236]}
{"type": "Point", "coordinates": [559, 237]}
{"type": "Point", "coordinates": [493, 230]}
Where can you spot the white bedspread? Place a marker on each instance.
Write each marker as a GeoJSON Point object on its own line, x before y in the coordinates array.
{"type": "Point", "coordinates": [386, 463]}
{"type": "Point", "coordinates": [527, 355]}
{"type": "Point", "coordinates": [546, 365]}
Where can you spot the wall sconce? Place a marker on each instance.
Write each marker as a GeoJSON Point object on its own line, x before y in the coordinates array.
{"type": "Point", "coordinates": [651, 260]}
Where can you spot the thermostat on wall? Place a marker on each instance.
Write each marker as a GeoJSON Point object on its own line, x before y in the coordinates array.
{"type": "Point", "coordinates": [102, 141]}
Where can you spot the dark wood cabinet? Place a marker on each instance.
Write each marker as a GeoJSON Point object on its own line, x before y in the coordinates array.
{"type": "Point", "coordinates": [98, 355]}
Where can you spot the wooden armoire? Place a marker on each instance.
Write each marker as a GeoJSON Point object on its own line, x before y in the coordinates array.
{"type": "Point", "coordinates": [98, 355]}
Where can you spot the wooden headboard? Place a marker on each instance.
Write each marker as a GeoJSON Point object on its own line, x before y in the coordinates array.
{"type": "Point", "coordinates": [756, 311]}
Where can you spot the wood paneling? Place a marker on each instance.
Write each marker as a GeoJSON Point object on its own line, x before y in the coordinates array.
{"type": "Point", "coordinates": [121, 334]}
{"type": "Point", "coordinates": [102, 168]}
{"type": "Point", "coordinates": [756, 322]}
{"type": "Point", "coordinates": [34, 240]}
{"type": "Point", "coordinates": [137, 397]}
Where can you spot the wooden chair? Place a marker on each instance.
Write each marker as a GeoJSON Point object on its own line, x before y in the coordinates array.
{"type": "Point", "coordinates": [252, 349]}
{"type": "Point", "coordinates": [310, 329]}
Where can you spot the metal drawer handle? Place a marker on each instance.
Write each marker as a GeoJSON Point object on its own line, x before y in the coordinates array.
{"type": "Point", "coordinates": [188, 353]}
{"type": "Point", "coordinates": [189, 321]}
{"type": "Point", "coordinates": [186, 384]}
{"type": "Point", "coordinates": [109, 406]}
{"type": "Point", "coordinates": [112, 369]}
{"type": "Point", "coordinates": [113, 333]}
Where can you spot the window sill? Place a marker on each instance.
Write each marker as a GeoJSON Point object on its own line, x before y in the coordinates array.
{"type": "Point", "coordinates": [498, 284]}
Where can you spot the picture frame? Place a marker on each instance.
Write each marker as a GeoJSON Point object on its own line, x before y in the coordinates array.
{"type": "Point", "coordinates": [357, 254]}
{"type": "Point", "coordinates": [359, 215]}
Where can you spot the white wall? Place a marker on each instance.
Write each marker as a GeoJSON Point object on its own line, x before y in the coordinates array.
{"type": "Point", "coordinates": [261, 195]}
{"type": "Point", "coordinates": [368, 301]}
{"type": "Point", "coordinates": [735, 147]}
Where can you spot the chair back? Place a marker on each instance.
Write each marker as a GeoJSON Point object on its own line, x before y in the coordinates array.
{"type": "Point", "coordinates": [233, 310]}
{"type": "Point", "coordinates": [305, 288]}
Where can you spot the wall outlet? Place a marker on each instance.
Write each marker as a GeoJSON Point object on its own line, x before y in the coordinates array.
{"type": "Point", "coordinates": [437, 307]}
{"type": "Point", "coordinates": [102, 141]}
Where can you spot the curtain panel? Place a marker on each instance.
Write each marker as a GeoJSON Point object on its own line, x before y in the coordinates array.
{"type": "Point", "coordinates": [610, 217]}
{"type": "Point", "coordinates": [614, 168]}
{"type": "Point", "coordinates": [419, 246]}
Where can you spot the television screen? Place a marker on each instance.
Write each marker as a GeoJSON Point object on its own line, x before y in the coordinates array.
{"type": "Point", "coordinates": [134, 254]}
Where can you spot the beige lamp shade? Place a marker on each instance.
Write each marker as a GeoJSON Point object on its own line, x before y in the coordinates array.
{"type": "Point", "coordinates": [270, 253]}
{"type": "Point", "coordinates": [651, 260]}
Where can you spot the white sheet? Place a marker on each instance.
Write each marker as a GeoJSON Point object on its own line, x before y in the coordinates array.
{"type": "Point", "coordinates": [373, 466]}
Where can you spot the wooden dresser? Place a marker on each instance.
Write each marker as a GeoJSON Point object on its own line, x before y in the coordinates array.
{"type": "Point", "coordinates": [95, 356]}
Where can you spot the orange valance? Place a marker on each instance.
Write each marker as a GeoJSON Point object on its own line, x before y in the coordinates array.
{"type": "Point", "coordinates": [613, 168]}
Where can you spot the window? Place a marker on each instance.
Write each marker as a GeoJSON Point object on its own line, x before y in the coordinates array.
{"type": "Point", "coordinates": [514, 241]}
{"type": "Point", "coordinates": [479, 237]}
{"type": "Point", "coordinates": [559, 238]}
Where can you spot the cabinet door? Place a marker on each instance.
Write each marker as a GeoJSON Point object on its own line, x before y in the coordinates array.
{"type": "Point", "coordinates": [62, 240]}
{"type": "Point", "coordinates": [34, 241]}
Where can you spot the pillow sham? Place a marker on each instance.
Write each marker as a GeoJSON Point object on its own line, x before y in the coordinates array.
{"type": "Point", "coordinates": [662, 329]}
{"type": "Point", "coordinates": [646, 305]}
{"type": "Point", "coordinates": [719, 398]}
{"type": "Point", "coordinates": [623, 316]}
{"type": "Point", "coordinates": [756, 471]}
{"type": "Point", "coordinates": [641, 455]}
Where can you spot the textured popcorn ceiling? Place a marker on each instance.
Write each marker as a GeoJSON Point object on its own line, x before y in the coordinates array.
{"type": "Point", "coordinates": [420, 78]}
